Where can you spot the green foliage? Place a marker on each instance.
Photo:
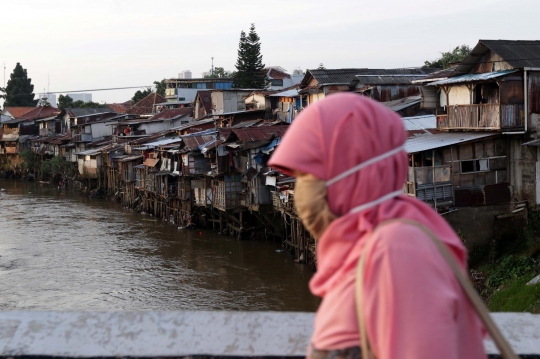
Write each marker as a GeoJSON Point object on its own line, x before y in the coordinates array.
{"type": "Point", "coordinates": [447, 58]}
{"type": "Point", "coordinates": [250, 69]}
{"type": "Point", "coordinates": [19, 89]}
{"type": "Point", "coordinates": [57, 166]}
{"type": "Point", "coordinates": [511, 267]}
{"type": "Point", "coordinates": [160, 87]}
{"type": "Point", "coordinates": [139, 95]}
{"type": "Point", "coordinates": [516, 297]}
{"type": "Point", "coordinates": [219, 72]}
{"type": "Point", "coordinates": [28, 160]}
{"type": "Point", "coordinates": [67, 102]}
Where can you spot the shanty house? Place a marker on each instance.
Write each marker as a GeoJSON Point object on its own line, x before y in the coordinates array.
{"type": "Point", "coordinates": [497, 89]}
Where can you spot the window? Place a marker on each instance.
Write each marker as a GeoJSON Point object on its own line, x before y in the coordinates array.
{"type": "Point", "coordinates": [275, 82]}
{"type": "Point", "coordinates": [479, 165]}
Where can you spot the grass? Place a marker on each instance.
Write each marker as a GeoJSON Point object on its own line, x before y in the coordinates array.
{"type": "Point", "coordinates": [516, 296]}
{"type": "Point", "coordinates": [505, 265]}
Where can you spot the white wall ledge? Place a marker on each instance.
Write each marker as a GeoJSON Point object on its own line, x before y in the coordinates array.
{"type": "Point", "coordinates": [176, 334]}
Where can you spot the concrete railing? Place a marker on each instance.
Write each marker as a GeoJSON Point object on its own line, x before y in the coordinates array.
{"type": "Point", "coordinates": [179, 334]}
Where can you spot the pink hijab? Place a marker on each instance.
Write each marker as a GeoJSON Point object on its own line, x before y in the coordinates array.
{"type": "Point", "coordinates": [327, 139]}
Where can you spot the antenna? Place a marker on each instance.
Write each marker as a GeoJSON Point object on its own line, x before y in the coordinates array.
{"type": "Point", "coordinates": [4, 74]}
{"type": "Point", "coordinates": [212, 71]}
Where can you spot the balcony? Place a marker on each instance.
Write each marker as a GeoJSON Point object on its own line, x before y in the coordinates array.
{"type": "Point", "coordinates": [45, 132]}
{"type": "Point", "coordinates": [84, 137]}
{"type": "Point", "coordinates": [430, 184]}
{"type": "Point", "coordinates": [486, 117]}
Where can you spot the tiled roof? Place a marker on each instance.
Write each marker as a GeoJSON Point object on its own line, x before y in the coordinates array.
{"type": "Point", "coordinates": [277, 74]}
{"type": "Point", "coordinates": [40, 112]}
{"type": "Point", "coordinates": [18, 111]}
{"type": "Point", "coordinates": [119, 107]}
{"type": "Point", "coordinates": [146, 105]}
{"type": "Point", "coordinates": [171, 114]}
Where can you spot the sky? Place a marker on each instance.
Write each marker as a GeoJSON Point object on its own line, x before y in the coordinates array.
{"type": "Point", "coordinates": [82, 45]}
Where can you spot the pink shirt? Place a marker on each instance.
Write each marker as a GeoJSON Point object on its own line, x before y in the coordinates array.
{"type": "Point", "coordinates": [413, 304]}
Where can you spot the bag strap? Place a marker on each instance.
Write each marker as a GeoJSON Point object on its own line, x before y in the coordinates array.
{"type": "Point", "coordinates": [502, 344]}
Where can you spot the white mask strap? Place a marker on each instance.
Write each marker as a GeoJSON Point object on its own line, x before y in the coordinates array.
{"type": "Point", "coordinates": [362, 165]}
{"type": "Point", "coordinates": [376, 202]}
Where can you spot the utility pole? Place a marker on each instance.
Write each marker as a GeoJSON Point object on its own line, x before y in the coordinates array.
{"type": "Point", "coordinates": [212, 71]}
{"type": "Point", "coordinates": [4, 74]}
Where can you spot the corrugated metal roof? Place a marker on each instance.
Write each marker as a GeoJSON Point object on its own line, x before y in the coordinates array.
{"type": "Point", "coordinates": [288, 93]}
{"type": "Point", "coordinates": [423, 143]}
{"type": "Point", "coordinates": [260, 133]}
{"type": "Point", "coordinates": [397, 105]}
{"type": "Point", "coordinates": [418, 123]}
{"type": "Point", "coordinates": [517, 53]}
{"type": "Point", "coordinates": [193, 124]}
{"type": "Point", "coordinates": [395, 79]}
{"type": "Point", "coordinates": [345, 76]}
{"type": "Point", "coordinates": [158, 143]}
{"type": "Point", "coordinates": [472, 77]}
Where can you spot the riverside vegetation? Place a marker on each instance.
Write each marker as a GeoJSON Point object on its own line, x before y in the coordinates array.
{"type": "Point", "coordinates": [502, 268]}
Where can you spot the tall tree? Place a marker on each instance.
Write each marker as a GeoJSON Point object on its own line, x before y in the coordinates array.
{"type": "Point", "coordinates": [65, 102]}
{"type": "Point", "coordinates": [139, 95]}
{"type": "Point", "coordinates": [219, 72]}
{"type": "Point", "coordinates": [447, 58]}
{"type": "Point", "coordinates": [19, 89]}
{"type": "Point", "coordinates": [160, 87]}
{"type": "Point", "coordinates": [250, 69]}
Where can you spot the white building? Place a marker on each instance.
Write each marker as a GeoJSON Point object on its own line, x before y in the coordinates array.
{"type": "Point", "coordinates": [185, 74]}
{"type": "Point", "coordinates": [84, 97]}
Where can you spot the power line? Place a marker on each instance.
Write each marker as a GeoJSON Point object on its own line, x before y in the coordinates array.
{"type": "Point", "coordinates": [106, 89]}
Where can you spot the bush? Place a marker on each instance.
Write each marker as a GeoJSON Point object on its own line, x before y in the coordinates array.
{"type": "Point", "coordinates": [29, 160]}
{"type": "Point", "coordinates": [511, 267]}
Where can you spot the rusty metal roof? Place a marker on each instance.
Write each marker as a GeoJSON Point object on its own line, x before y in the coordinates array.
{"type": "Point", "coordinates": [260, 133]}
{"type": "Point", "coordinates": [171, 114]}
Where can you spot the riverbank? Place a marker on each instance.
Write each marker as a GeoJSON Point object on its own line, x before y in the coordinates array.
{"type": "Point", "coordinates": [502, 269]}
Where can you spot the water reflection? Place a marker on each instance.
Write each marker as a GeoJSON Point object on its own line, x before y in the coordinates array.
{"type": "Point", "coordinates": [61, 251]}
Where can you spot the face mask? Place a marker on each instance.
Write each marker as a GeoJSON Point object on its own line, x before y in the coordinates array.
{"type": "Point", "coordinates": [311, 204]}
{"type": "Point", "coordinates": [310, 197]}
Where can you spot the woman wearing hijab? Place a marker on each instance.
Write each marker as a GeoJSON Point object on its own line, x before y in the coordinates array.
{"type": "Point", "coordinates": [347, 154]}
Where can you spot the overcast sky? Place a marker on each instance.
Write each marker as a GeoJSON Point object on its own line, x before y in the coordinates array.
{"type": "Point", "coordinates": [101, 44]}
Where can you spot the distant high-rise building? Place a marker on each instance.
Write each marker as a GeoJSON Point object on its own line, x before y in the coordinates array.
{"type": "Point", "coordinates": [185, 74]}
{"type": "Point", "coordinates": [84, 97]}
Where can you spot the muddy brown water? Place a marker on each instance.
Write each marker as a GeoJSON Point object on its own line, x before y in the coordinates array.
{"type": "Point", "coordinates": [62, 251]}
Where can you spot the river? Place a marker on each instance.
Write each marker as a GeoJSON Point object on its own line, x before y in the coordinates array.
{"type": "Point", "coordinates": [62, 251]}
